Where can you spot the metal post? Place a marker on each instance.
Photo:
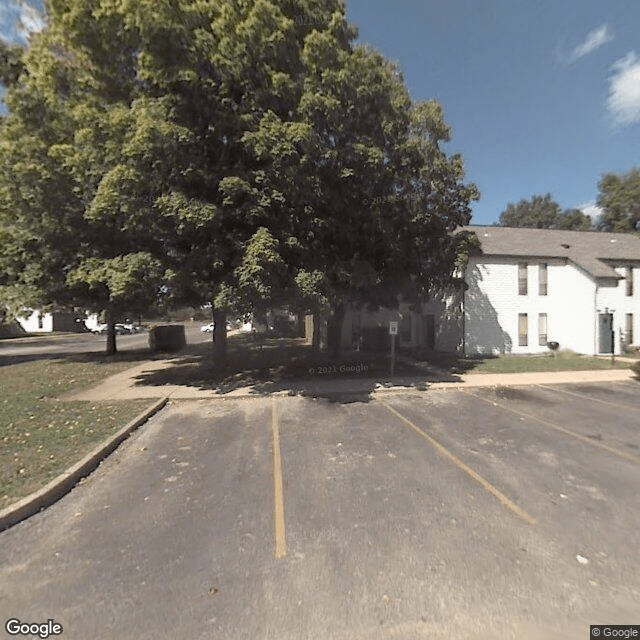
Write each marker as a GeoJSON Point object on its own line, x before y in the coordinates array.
{"type": "Point", "coordinates": [393, 352]}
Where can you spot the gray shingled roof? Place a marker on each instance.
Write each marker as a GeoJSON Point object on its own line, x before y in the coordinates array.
{"type": "Point", "coordinates": [587, 249]}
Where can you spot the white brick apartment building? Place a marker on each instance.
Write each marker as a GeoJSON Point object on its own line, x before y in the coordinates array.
{"type": "Point", "coordinates": [527, 287]}
{"type": "Point", "coordinates": [524, 288]}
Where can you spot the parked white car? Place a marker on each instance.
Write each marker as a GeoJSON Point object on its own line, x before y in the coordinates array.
{"type": "Point", "coordinates": [207, 328]}
{"type": "Point", "coordinates": [121, 328]}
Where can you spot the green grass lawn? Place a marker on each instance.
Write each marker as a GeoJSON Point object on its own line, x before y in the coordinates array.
{"type": "Point", "coordinates": [513, 364]}
{"type": "Point", "coordinates": [523, 363]}
{"type": "Point", "coordinates": [41, 436]}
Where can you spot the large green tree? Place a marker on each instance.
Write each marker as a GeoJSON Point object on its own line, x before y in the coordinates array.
{"type": "Point", "coordinates": [619, 199]}
{"type": "Point", "coordinates": [370, 197]}
{"type": "Point", "coordinates": [222, 152]}
{"type": "Point", "coordinates": [124, 150]}
{"type": "Point", "coordinates": [542, 212]}
{"type": "Point", "coordinates": [573, 220]}
{"type": "Point", "coordinates": [69, 236]}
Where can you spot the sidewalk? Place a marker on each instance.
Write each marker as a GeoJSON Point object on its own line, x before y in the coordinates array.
{"type": "Point", "coordinates": [123, 386]}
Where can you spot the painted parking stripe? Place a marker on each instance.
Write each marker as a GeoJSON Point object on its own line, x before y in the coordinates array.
{"type": "Point", "coordinates": [581, 395]}
{"type": "Point", "coordinates": [444, 452]}
{"type": "Point", "coordinates": [278, 500]}
{"type": "Point", "coordinates": [557, 427]}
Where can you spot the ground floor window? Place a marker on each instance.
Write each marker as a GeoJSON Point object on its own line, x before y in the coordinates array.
{"type": "Point", "coordinates": [629, 328]}
{"type": "Point", "coordinates": [542, 329]}
{"type": "Point", "coordinates": [523, 330]}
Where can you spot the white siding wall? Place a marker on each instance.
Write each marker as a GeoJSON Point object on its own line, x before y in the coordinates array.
{"type": "Point", "coordinates": [572, 318]}
{"type": "Point", "coordinates": [31, 325]}
{"type": "Point", "coordinates": [614, 299]}
{"type": "Point", "coordinates": [492, 306]}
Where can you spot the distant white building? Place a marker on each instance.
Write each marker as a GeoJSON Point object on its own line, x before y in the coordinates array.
{"type": "Point", "coordinates": [38, 321]}
{"type": "Point", "coordinates": [524, 289]}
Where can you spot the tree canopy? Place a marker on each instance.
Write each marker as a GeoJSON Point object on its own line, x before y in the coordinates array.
{"type": "Point", "coordinates": [223, 152]}
{"type": "Point", "coordinates": [371, 198]}
{"type": "Point", "coordinates": [542, 212]}
{"type": "Point", "coordinates": [619, 199]}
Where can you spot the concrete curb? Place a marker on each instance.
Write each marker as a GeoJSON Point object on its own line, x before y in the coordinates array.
{"type": "Point", "coordinates": [63, 483]}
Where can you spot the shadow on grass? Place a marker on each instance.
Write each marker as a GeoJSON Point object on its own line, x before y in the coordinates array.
{"type": "Point", "coordinates": [289, 365]}
{"type": "Point", "coordinates": [450, 363]}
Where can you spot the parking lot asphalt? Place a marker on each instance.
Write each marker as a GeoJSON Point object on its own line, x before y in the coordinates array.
{"type": "Point", "coordinates": [505, 512]}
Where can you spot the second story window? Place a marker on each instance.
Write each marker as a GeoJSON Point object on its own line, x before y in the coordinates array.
{"type": "Point", "coordinates": [542, 279]}
{"type": "Point", "coordinates": [522, 278]}
{"type": "Point", "coordinates": [629, 280]}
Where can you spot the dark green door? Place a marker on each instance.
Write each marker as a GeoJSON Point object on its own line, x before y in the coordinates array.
{"type": "Point", "coordinates": [605, 324]}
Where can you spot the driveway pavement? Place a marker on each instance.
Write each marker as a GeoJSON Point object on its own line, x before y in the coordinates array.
{"type": "Point", "coordinates": [55, 345]}
{"type": "Point", "coordinates": [505, 512]}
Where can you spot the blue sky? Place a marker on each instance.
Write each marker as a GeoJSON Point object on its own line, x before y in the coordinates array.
{"type": "Point", "coordinates": [17, 18]}
{"type": "Point", "coordinates": [543, 96]}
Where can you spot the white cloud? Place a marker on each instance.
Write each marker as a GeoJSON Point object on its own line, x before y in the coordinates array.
{"type": "Point", "coordinates": [593, 41]}
{"type": "Point", "coordinates": [19, 18]}
{"type": "Point", "coordinates": [624, 91]}
{"type": "Point", "coordinates": [590, 208]}
{"type": "Point", "coordinates": [30, 19]}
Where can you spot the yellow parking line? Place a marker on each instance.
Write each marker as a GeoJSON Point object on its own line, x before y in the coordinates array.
{"type": "Point", "coordinates": [281, 546]}
{"type": "Point", "coordinates": [580, 395]}
{"type": "Point", "coordinates": [443, 451]}
{"type": "Point", "coordinates": [551, 425]}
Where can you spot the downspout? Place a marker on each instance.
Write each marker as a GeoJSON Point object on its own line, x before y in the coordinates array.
{"type": "Point", "coordinates": [464, 309]}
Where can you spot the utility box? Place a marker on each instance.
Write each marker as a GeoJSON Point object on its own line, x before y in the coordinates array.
{"type": "Point", "coordinates": [170, 337]}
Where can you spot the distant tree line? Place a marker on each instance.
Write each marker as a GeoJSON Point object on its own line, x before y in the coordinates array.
{"type": "Point", "coordinates": [618, 199]}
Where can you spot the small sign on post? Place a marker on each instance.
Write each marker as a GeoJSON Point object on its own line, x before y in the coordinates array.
{"type": "Point", "coordinates": [393, 332]}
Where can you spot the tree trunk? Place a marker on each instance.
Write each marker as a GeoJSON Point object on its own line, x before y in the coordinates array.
{"type": "Point", "coordinates": [334, 330]}
{"type": "Point", "coordinates": [315, 340]}
{"type": "Point", "coordinates": [111, 332]}
{"type": "Point", "coordinates": [300, 324]}
{"type": "Point", "coordinates": [220, 335]}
